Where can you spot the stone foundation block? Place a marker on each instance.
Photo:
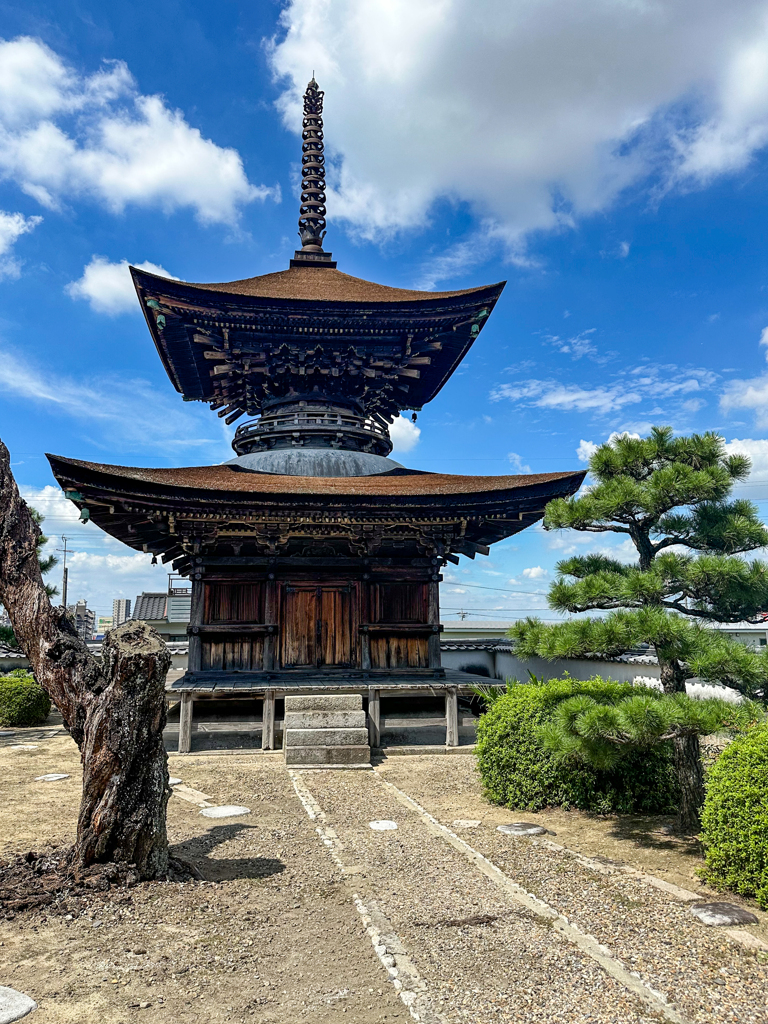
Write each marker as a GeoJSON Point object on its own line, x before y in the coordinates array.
{"type": "Point", "coordinates": [325, 702]}
{"type": "Point", "coordinates": [360, 754]}
{"type": "Point", "coordinates": [325, 737]}
{"type": "Point", "coordinates": [325, 720]}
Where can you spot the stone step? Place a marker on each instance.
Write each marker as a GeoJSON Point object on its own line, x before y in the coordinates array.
{"type": "Point", "coordinates": [324, 720]}
{"type": "Point", "coordinates": [325, 737]}
{"type": "Point", "coordinates": [325, 702]}
{"type": "Point", "coordinates": [360, 754]}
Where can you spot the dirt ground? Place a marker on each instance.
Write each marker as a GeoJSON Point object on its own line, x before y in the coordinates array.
{"type": "Point", "coordinates": [274, 934]}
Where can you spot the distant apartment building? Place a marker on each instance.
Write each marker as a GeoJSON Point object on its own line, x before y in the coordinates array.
{"type": "Point", "coordinates": [121, 610]}
{"type": "Point", "coordinates": [103, 624]}
{"type": "Point", "coordinates": [83, 618]}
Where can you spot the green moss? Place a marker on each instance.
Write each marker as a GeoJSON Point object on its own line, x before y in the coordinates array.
{"type": "Point", "coordinates": [519, 773]}
{"type": "Point", "coordinates": [735, 818]}
{"type": "Point", "coordinates": [22, 701]}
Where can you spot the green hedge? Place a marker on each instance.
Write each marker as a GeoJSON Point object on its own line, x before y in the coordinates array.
{"type": "Point", "coordinates": [734, 824]}
{"type": "Point", "coordinates": [22, 701]}
{"type": "Point", "coordinates": [519, 773]}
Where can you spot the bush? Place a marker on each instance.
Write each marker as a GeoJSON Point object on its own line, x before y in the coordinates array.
{"type": "Point", "coordinates": [735, 818]}
{"type": "Point", "coordinates": [518, 772]}
{"type": "Point", "coordinates": [22, 701]}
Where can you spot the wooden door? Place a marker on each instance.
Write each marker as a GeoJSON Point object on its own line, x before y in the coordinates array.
{"type": "Point", "coordinates": [317, 627]}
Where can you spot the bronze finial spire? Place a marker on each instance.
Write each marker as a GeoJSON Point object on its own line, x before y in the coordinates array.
{"type": "Point", "coordinates": [312, 209]}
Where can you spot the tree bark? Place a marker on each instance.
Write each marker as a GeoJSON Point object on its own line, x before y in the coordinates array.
{"type": "Point", "coordinates": [690, 774]}
{"type": "Point", "coordinates": [687, 752]}
{"type": "Point", "coordinates": [115, 711]}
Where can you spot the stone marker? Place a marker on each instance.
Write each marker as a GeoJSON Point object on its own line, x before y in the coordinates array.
{"type": "Point", "coordinates": [382, 826]}
{"type": "Point", "coordinates": [225, 811]}
{"type": "Point", "coordinates": [522, 828]}
{"type": "Point", "coordinates": [173, 782]}
{"type": "Point", "coordinates": [465, 823]}
{"type": "Point", "coordinates": [50, 778]}
{"type": "Point", "coordinates": [722, 914]}
{"type": "Point", "coordinates": [14, 1005]}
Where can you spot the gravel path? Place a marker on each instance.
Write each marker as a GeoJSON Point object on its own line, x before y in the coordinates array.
{"type": "Point", "coordinates": [483, 956]}
{"type": "Point", "coordinates": [309, 914]}
{"type": "Point", "coordinates": [708, 977]}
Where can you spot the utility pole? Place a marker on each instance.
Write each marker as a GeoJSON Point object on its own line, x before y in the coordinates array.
{"type": "Point", "coordinates": [65, 573]}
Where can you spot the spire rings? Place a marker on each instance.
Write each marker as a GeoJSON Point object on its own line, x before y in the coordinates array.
{"type": "Point", "coordinates": [312, 211]}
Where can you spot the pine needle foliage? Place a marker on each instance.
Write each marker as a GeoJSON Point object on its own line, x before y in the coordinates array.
{"type": "Point", "coordinates": [601, 731]}
{"type": "Point", "coordinates": [671, 497]}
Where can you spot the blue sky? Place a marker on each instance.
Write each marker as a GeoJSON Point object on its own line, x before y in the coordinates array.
{"type": "Point", "coordinates": [607, 160]}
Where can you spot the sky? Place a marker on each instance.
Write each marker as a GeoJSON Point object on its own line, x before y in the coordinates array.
{"type": "Point", "coordinates": [608, 160]}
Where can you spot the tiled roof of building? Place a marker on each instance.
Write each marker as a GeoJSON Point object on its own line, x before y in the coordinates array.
{"type": "Point", "coordinates": [229, 478]}
{"type": "Point", "coordinates": [313, 284]}
{"type": "Point", "coordinates": [149, 606]}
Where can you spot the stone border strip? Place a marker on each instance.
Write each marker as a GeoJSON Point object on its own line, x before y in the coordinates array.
{"type": "Point", "coordinates": [605, 868]}
{"type": "Point", "coordinates": [586, 943]}
{"type": "Point", "coordinates": [401, 970]}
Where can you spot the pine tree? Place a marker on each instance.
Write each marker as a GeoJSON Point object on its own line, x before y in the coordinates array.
{"type": "Point", "coordinates": [601, 733]}
{"type": "Point", "coordinates": [671, 497]}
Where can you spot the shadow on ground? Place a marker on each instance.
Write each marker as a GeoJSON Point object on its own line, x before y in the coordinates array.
{"type": "Point", "coordinates": [223, 869]}
{"type": "Point", "coordinates": [655, 833]}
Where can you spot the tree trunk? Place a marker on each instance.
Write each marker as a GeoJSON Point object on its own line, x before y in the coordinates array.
{"type": "Point", "coordinates": [115, 712]}
{"type": "Point", "coordinates": [690, 775]}
{"type": "Point", "coordinates": [687, 752]}
{"type": "Point", "coordinates": [673, 675]}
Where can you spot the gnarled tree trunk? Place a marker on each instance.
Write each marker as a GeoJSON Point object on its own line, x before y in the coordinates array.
{"type": "Point", "coordinates": [115, 711]}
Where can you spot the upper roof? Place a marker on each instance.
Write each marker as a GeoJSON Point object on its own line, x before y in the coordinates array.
{"type": "Point", "coordinates": [323, 284]}
{"type": "Point", "coordinates": [310, 330]}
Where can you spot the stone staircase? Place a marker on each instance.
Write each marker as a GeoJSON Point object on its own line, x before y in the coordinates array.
{"type": "Point", "coordinates": [326, 731]}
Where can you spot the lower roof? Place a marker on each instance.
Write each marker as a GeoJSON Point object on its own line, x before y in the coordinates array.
{"type": "Point", "coordinates": [174, 512]}
{"type": "Point", "coordinates": [233, 480]}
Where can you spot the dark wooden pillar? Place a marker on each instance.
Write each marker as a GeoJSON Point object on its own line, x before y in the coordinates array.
{"type": "Point", "coordinates": [271, 619]}
{"type": "Point", "coordinates": [196, 614]}
{"type": "Point", "coordinates": [433, 617]}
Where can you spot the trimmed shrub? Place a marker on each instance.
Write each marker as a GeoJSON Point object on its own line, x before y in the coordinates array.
{"type": "Point", "coordinates": [519, 773]}
{"type": "Point", "coordinates": [734, 824]}
{"type": "Point", "coordinates": [22, 701]}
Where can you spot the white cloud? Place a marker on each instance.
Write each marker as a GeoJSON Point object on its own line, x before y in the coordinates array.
{"type": "Point", "coordinates": [108, 286]}
{"type": "Point", "coordinates": [548, 394]}
{"type": "Point", "coordinates": [405, 435]}
{"type": "Point", "coordinates": [100, 568]}
{"type": "Point", "coordinates": [647, 383]}
{"type": "Point", "coordinates": [586, 450]}
{"type": "Point", "coordinates": [748, 394]}
{"type": "Point", "coordinates": [756, 486]}
{"type": "Point", "coordinates": [578, 346]}
{"type": "Point", "coordinates": [117, 409]}
{"type": "Point", "coordinates": [517, 462]}
{"type": "Point", "coordinates": [63, 135]}
{"type": "Point", "coordinates": [535, 573]}
{"type": "Point", "coordinates": [12, 226]}
{"type": "Point", "coordinates": [531, 113]}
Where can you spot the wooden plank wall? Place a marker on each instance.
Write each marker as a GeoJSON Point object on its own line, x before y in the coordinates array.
{"type": "Point", "coordinates": [384, 624]}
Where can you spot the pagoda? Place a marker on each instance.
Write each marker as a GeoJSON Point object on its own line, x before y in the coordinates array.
{"type": "Point", "coordinates": [314, 558]}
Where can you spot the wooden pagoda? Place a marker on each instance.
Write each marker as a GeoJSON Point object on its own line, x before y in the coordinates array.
{"type": "Point", "coordinates": [314, 558]}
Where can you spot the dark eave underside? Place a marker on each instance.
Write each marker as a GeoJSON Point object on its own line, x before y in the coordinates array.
{"type": "Point", "coordinates": [412, 342]}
